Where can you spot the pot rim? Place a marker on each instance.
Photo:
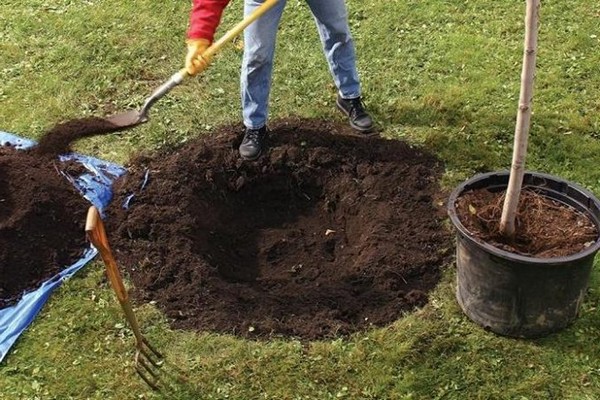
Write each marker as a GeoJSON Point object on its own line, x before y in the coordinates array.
{"type": "Point", "coordinates": [591, 250]}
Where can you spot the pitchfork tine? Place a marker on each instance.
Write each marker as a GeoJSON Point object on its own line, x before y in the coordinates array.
{"type": "Point", "coordinates": [148, 357]}
{"type": "Point", "coordinates": [149, 382]}
{"type": "Point", "coordinates": [144, 358]}
{"type": "Point", "coordinates": [147, 367]}
{"type": "Point", "coordinates": [152, 349]}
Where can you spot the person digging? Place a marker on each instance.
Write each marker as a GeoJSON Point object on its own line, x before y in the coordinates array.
{"type": "Point", "coordinates": [331, 18]}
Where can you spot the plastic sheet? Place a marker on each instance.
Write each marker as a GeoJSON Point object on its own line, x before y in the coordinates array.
{"type": "Point", "coordinates": [95, 186]}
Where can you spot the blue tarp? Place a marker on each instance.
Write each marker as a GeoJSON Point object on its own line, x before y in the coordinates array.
{"type": "Point", "coordinates": [95, 186]}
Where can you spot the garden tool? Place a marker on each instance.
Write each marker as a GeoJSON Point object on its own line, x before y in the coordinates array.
{"type": "Point", "coordinates": [132, 118]}
{"type": "Point", "coordinates": [147, 359]}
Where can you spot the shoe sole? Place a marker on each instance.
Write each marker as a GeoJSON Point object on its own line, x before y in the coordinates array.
{"type": "Point", "coordinates": [362, 132]}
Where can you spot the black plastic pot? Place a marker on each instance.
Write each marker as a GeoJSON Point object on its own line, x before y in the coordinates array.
{"type": "Point", "coordinates": [520, 296]}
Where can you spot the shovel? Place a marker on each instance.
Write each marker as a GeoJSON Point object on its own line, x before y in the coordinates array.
{"type": "Point", "coordinates": [147, 359]}
{"type": "Point", "coordinates": [132, 118]}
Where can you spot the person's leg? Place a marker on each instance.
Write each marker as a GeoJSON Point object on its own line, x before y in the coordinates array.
{"type": "Point", "coordinates": [257, 64]}
{"type": "Point", "coordinates": [331, 17]}
{"type": "Point", "coordinates": [255, 77]}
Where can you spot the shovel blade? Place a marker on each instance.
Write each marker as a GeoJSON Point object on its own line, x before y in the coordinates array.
{"type": "Point", "coordinates": [126, 120]}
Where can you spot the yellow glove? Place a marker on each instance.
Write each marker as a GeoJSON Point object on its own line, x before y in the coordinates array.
{"type": "Point", "coordinates": [194, 62]}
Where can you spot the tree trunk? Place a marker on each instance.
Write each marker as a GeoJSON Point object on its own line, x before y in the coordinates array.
{"type": "Point", "coordinates": [513, 191]}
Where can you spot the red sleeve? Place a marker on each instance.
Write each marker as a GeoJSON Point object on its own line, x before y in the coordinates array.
{"type": "Point", "coordinates": [205, 18]}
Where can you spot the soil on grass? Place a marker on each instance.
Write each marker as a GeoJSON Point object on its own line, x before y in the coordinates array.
{"type": "Point", "coordinates": [42, 220]}
{"type": "Point", "coordinates": [324, 235]}
{"type": "Point", "coordinates": [544, 228]}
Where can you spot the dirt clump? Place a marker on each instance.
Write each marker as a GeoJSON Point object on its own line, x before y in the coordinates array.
{"type": "Point", "coordinates": [59, 138]}
{"type": "Point", "coordinates": [324, 235]}
{"type": "Point", "coordinates": [42, 220]}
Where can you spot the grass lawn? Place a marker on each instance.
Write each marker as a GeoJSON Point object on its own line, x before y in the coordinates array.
{"type": "Point", "coordinates": [444, 75]}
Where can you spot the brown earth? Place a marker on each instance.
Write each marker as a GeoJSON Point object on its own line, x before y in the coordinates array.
{"type": "Point", "coordinates": [42, 220]}
{"type": "Point", "coordinates": [544, 228]}
{"type": "Point", "coordinates": [42, 216]}
{"type": "Point", "coordinates": [324, 235]}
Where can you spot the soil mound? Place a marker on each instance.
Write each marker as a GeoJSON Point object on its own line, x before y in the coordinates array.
{"type": "Point", "coordinates": [324, 235]}
{"type": "Point", "coordinates": [42, 220]}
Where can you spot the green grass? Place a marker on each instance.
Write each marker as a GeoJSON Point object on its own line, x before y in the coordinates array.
{"type": "Point", "coordinates": [440, 74]}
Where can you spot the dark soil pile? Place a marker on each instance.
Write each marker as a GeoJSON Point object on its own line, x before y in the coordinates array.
{"type": "Point", "coordinates": [42, 220]}
{"type": "Point", "coordinates": [324, 235]}
{"type": "Point", "coordinates": [544, 227]}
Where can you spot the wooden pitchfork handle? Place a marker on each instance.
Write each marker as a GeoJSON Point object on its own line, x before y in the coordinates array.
{"type": "Point", "coordinates": [96, 233]}
{"type": "Point", "coordinates": [146, 357]}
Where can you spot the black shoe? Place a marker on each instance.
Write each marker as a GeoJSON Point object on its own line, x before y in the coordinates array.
{"type": "Point", "coordinates": [354, 109]}
{"type": "Point", "coordinates": [253, 143]}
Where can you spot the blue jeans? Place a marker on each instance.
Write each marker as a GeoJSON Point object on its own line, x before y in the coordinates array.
{"type": "Point", "coordinates": [259, 48]}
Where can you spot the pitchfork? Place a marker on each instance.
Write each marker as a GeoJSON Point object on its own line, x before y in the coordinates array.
{"type": "Point", "coordinates": [147, 359]}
